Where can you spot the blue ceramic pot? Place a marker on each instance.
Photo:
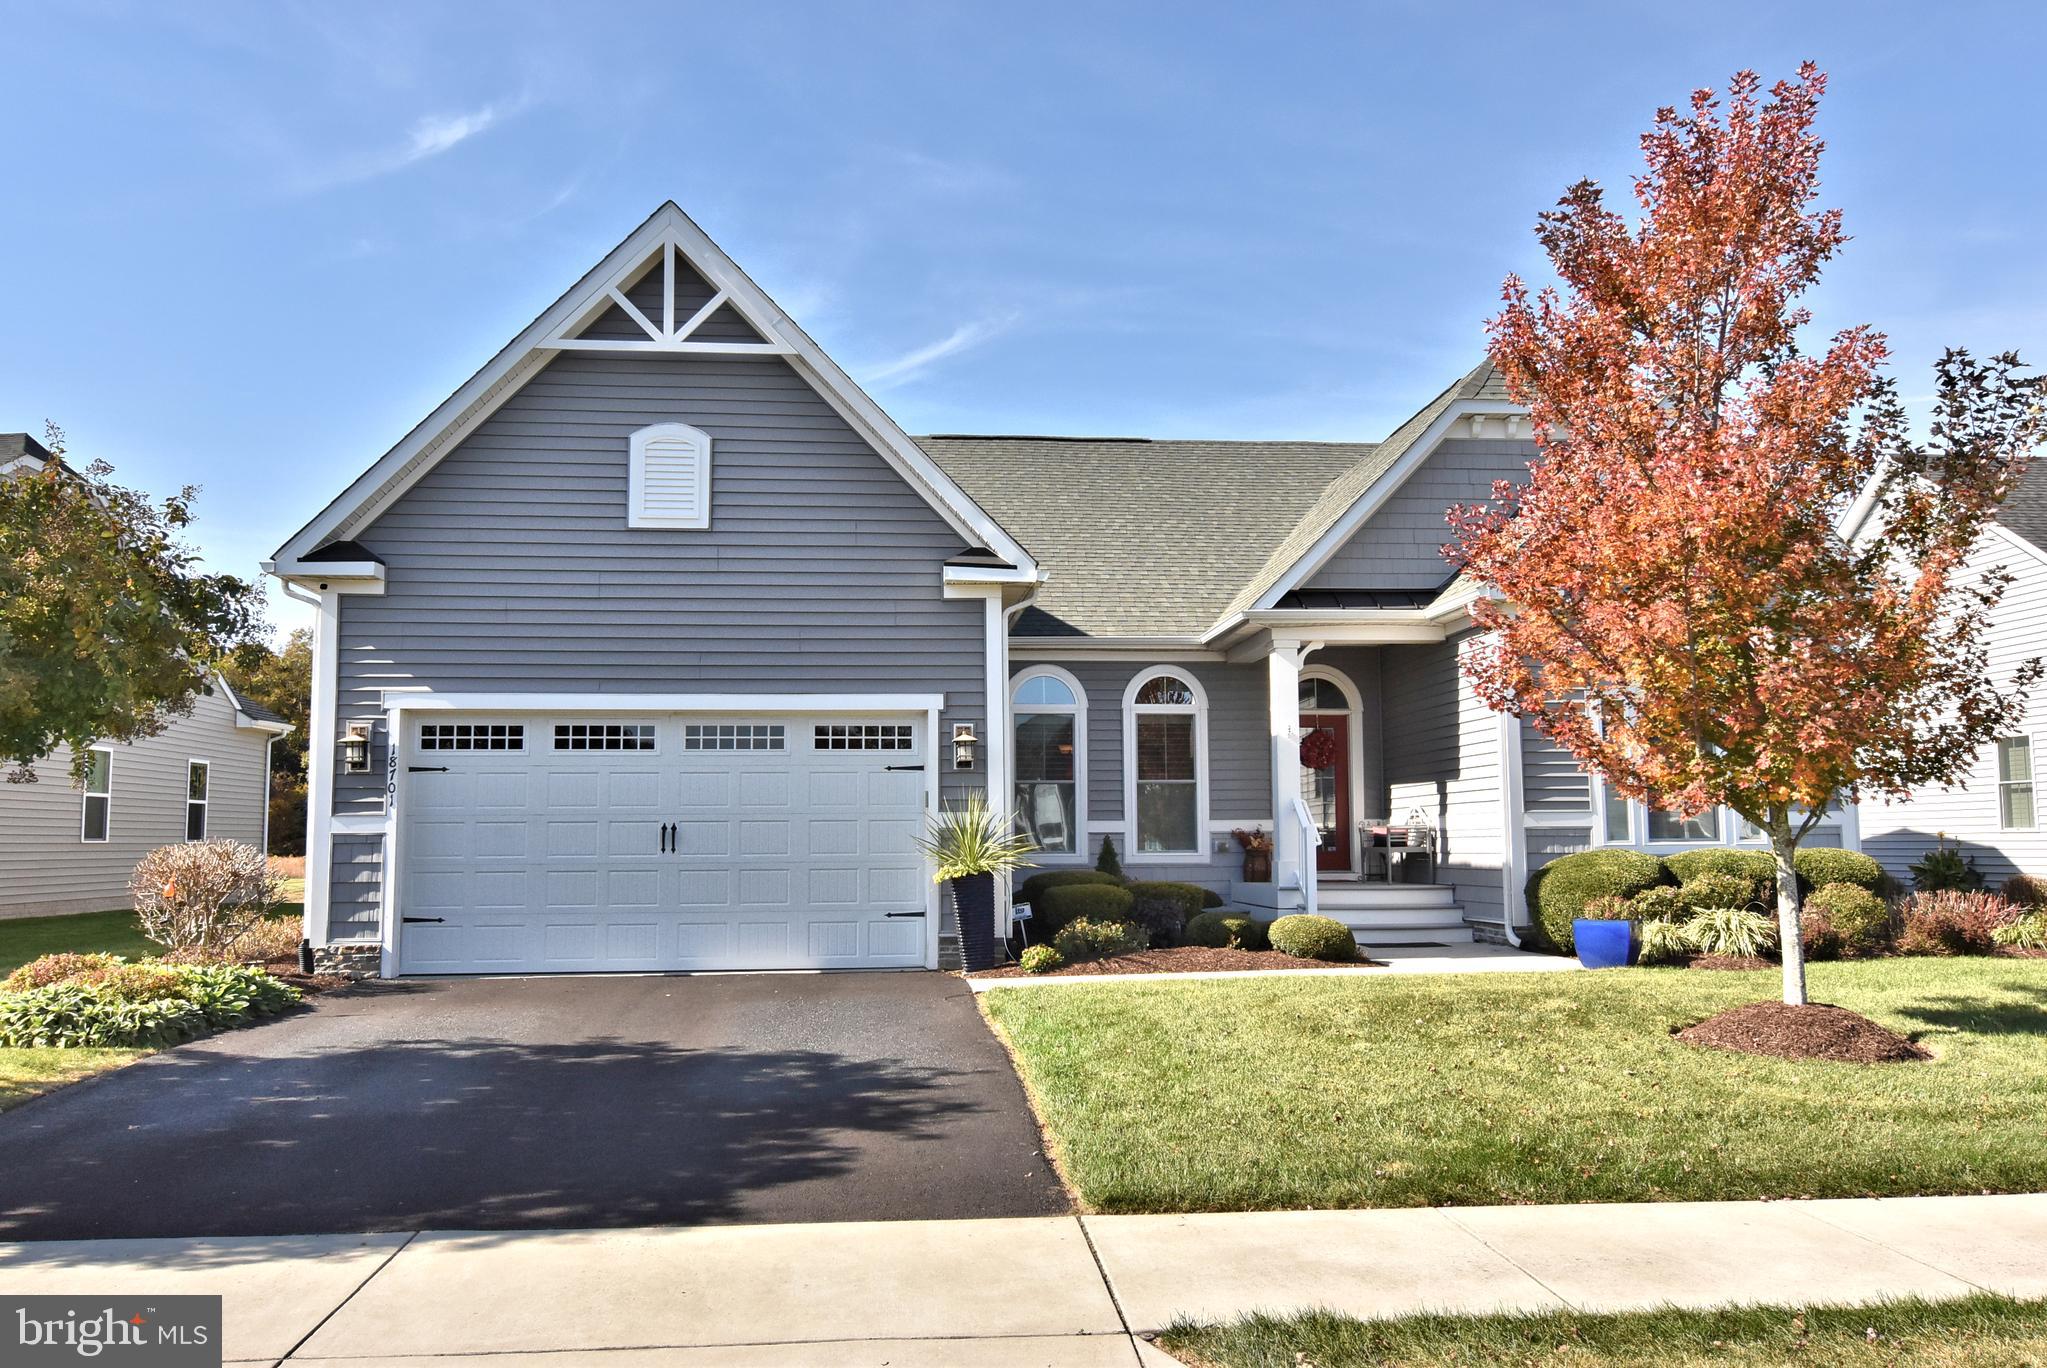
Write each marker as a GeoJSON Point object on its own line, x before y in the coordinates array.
{"type": "Point", "coordinates": [1603, 944]}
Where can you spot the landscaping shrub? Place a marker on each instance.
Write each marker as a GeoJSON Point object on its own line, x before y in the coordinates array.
{"type": "Point", "coordinates": [1609, 909]}
{"type": "Point", "coordinates": [1732, 931]}
{"type": "Point", "coordinates": [1709, 891]}
{"type": "Point", "coordinates": [1954, 923]}
{"type": "Point", "coordinates": [1034, 887]}
{"type": "Point", "coordinates": [143, 1005]}
{"type": "Point", "coordinates": [1944, 869]}
{"type": "Point", "coordinates": [62, 968]}
{"type": "Point", "coordinates": [1665, 942]}
{"type": "Point", "coordinates": [1226, 930]}
{"type": "Point", "coordinates": [2028, 932]}
{"type": "Point", "coordinates": [1560, 889]}
{"type": "Point", "coordinates": [1662, 903]}
{"type": "Point", "coordinates": [272, 938]}
{"type": "Point", "coordinates": [1107, 862]}
{"type": "Point", "coordinates": [1859, 917]}
{"type": "Point", "coordinates": [1083, 939]}
{"type": "Point", "coordinates": [202, 894]}
{"type": "Point", "coordinates": [2026, 891]}
{"type": "Point", "coordinates": [1069, 902]}
{"type": "Point", "coordinates": [1164, 909]}
{"type": "Point", "coordinates": [1039, 959]}
{"type": "Point", "coordinates": [1211, 899]}
{"type": "Point", "coordinates": [1817, 934]}
{"type": "Point", "coordinates": [1757, 868]}
{"type": "Point", "coordinates": [1316, 938]}
{"type": "Point", "coordinates": [1823, 866]}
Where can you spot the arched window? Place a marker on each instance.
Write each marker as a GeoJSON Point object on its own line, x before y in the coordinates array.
{"type": "Point", "coordinates": [1165, 763]}
{"type": "Point", "coordinates": [1049, 718]}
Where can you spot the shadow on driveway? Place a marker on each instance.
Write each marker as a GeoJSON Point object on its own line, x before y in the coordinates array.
{"type": "Point", "coordinates": [536, 1103]}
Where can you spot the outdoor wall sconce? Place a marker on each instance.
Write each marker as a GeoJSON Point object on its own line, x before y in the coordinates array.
{"type": "Point", "coordinates": [963, 743]}
{"type": "Point", "coordinates": [355, 749]}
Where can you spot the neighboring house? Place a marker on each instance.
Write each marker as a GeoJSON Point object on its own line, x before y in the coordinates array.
{"type": "Point", "coordinates": [205, 776]}
{"type": "Point", "coordinates": [654, 644]}
{"type": "Point", "coordinates": [1993, 817]}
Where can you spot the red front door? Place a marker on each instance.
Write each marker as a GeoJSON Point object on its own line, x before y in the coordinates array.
{"type": "Point", "coordinates": [1327, 789]}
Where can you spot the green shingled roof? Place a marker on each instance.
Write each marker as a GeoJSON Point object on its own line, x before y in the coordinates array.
{"type": "Point", "coordinates": [1167, 538]}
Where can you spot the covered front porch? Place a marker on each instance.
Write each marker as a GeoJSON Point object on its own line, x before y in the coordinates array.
{"type": "Point", "coordinates": [1388, 778]}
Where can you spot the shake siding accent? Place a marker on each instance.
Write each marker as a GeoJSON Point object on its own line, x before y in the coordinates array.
{"type": "Point", "coordinates": [1400, 546]}
{"type": "Point", "coordinates": [511, 568]}
{"type": "Point", "coordinates": [45, 868]}
{"type": "Point", "coordinates": [1550, 778]}
{"type": "Point", "coordinates": [1898, 834]}
{"type": "Point", "coordinates": [1442, 756]}
{"type": "Point", "coordinates": [355, 884]}
{"type": "Point", "coordinates": [1550, 843]}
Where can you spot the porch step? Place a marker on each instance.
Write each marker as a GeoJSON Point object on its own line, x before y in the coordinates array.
{"type": "Point", "coordinates": [1378, 897]}
{"type": "Point", "coordinates": [1443, 925]}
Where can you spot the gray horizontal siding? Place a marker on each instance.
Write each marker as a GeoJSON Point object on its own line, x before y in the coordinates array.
{"type": "Point", "coordinates": [355, 888]}
{"type": "Point", "coordinates": [45, 867]}
{"type": "Point", "coordinates": [511, 568]}
{"type": "Point", "coordinates": [1400, 546]}
{"type": "Point", "coordinates": [1551, 843]}
{"type": "Point", "coordinates": [1443, 757]}
{"type": "Point", "coordinates": [1551, 780]}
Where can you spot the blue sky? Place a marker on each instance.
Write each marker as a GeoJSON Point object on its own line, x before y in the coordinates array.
{"type": "Point", "coordinates": [250, 245]}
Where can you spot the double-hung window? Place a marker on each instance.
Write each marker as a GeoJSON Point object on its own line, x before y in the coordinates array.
{"type": "Point", "coordinates": [1165, 723]}
{"type": "Point", "coordinates": [197, 775]}
{"type": "Point", "coordinates": [98, 817]}
{"type": "Point", "coordinates": [1048, 712]}
{"type": "Point", "coordinates": [2015, 784]}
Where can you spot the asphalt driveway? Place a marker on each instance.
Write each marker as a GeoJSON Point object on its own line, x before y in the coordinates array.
{"type": "Point", "coordinates": [545, 1103]}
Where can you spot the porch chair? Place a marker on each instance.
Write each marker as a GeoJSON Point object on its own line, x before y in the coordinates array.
{"type": "Point", "coordinates": [1382, 841]}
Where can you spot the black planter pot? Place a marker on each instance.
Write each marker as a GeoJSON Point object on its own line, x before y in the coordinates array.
{"type": "Point", "coordinates": [973, 897]}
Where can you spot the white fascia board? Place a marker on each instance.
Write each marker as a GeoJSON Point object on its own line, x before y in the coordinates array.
{"type": "Point", "coordinates": [1060, 648]}
{"type": "Point", "coordinates": [996, 575]}
{"type": "Point", "coordinates": [651, 702]}
{"type": "Point", "coordinates": [1375, 496]}
{"type": "Point", "coordinates": [244, 722]}
{"type": "Point", "coordinates": [502, 376]}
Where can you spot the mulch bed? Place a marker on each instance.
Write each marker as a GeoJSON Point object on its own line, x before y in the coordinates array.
{"type": "Point", "coordinates": [1731, 962]}
{"type": "Point", "coordinates": [287, 971]}
{"type": "Point", "coordinates": [1180, 959]}
{"type": "Point", "coordinates": [1815, 1031]}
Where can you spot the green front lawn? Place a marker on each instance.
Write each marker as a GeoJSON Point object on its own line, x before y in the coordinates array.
{"type": "Point", "coordinates": [25, 938]}
{"type": "Point", "coordinates": [27, 1073]}
{"type": "Point", "coordinates": [1460, 1089]}
{"type": "Point", "coordinates": [1975, 1332]}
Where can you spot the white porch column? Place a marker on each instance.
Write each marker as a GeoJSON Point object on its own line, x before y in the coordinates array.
{"type": "Point", "coordinates": [1283, 706]}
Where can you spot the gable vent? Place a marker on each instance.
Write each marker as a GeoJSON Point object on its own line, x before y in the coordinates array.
{"type": "Point", "coordinates": [670, 483]}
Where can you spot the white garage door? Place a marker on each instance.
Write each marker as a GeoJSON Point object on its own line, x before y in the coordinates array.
{"type": "Point", "coordinates": [666, 842]}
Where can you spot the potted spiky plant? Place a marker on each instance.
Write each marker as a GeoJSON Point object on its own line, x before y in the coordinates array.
{"type": "Point", "coordinates": [970, 845]}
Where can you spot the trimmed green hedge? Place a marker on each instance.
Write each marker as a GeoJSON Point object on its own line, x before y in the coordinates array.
{"type": "Point", "coordinates": [1823, 865]}
{"type": "Point", "coordinates": [1757, 867]}
{"type": "Point", "coordinates": [1316, 938]}
{"type": "Point", "coordinates": [1034, 887]}
{"type": "Point", "coordinates": [1859, 917]}
{"type": "Point", "coordinates": [1219, 930]}
{"type": "Point", "coordinates": [1559, 890]}
{"type": "Point", "coordinates": [1057, 906]}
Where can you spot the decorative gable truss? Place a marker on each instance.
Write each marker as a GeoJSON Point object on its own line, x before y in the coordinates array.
{"type": "Point", "coordinates": [666, 290]}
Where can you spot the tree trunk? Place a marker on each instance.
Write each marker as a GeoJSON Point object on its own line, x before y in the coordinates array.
{"type": "Point", "coordinates": [1790, 943]}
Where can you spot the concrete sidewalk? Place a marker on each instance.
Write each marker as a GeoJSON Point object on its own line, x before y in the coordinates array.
{"type": "Point", "coordinates": [1070, 1291]}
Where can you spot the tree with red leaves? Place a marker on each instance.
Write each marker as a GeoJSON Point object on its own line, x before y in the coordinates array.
{"type": "Point", "coordinates": [1732, 577]}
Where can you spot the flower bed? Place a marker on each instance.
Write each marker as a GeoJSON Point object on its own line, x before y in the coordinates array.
{"type": "Point", "coordinates": [1178, 959]}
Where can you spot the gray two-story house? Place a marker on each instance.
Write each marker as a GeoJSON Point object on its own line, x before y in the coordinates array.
{"type": "Point", "coordinates": [652, 647]}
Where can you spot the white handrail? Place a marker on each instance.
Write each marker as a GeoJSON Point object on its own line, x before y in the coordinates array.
{"type": "Point", "coordinates": [1311, 841]}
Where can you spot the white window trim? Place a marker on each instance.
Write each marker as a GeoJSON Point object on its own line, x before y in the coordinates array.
{"type": "Point", "coordinates": [1131, 711]}
{"type": "Point", "coordinates": [85, 801]}
{"type": "Point", "coordinates": [206, 815]}
{"type": "Point", "coordinates": [1080, 853]}
{"type": "Point", "coordinates": [2031, 781]}
{"type": "Point", "coordinates": [635, 514]}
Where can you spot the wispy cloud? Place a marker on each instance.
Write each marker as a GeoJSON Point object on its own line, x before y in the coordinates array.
{"type": "Point", "coordinates": [913, 363]}
{"type": "Point", "coordinates": [429, 138]}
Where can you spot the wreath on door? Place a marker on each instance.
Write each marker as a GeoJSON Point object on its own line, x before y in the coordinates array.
{"type": "Point", "coordinates": [1318, 749]}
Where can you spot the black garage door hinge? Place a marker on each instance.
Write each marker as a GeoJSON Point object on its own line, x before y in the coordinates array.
{"type": "Point", "coordinates": [426, 769]}
{"type": "Point", "coordinates": [422, 919]}
{"type": "Point", "coordinates": [902, 767]}
{"type": "Point", "coordinates": [902, 914]}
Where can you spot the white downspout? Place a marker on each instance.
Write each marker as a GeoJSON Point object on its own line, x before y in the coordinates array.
{"type": "Point", "coordinates": [1513, 832]}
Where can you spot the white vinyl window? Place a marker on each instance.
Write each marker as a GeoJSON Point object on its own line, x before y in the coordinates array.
{"type": "Point", "coordinates": [472, 736]}
{"type": "Point", "coordinates": [840, 736]}
{"type": "Point", "coordinates": [1665, 825]}
{"type": "Point", "coordinates": [2015, 784]}
{"type": "Point", "coordinates": [97, 820]}
{"type": "Point", "coordinates": [1050, 726]}
{"type": "Point", "coordinates": [1615, 815]}
{"type": "Point", "coordinates": [668, 482]}
{"type": "Point", "coordinates": [197, 776]}
{"type": "Point", "coordinates": [604, 736]}
{"type": "Point", "coordinates": [733, 736]}
{"type": "Point", "coordinates": [1165, 762]}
